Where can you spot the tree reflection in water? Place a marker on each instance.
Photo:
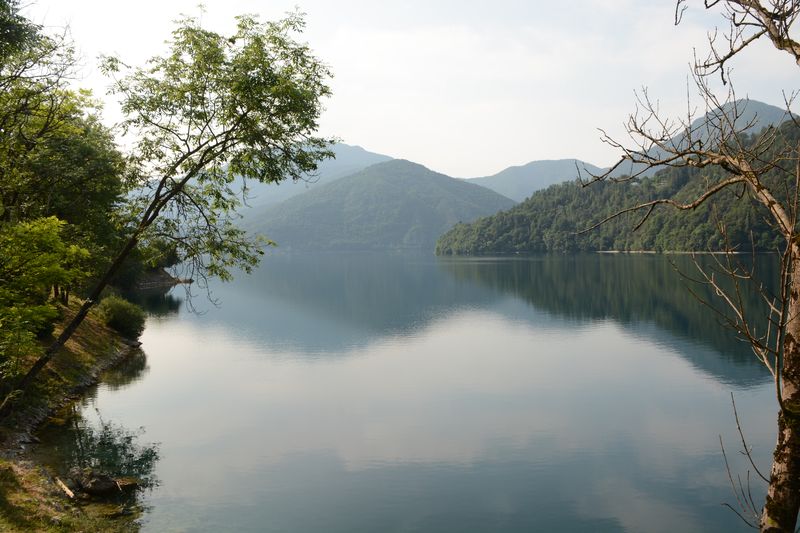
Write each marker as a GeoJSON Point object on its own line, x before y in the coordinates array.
{"type": "Point", "coordinates": [81, 442]}
{"type": "Point", "coordinates": [101, 446]}
{"type": "Point", "coordinates": [110, 449]}
{"type": "Point", "coordinates": [130, 370]}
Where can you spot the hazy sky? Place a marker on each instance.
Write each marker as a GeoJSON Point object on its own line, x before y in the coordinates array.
{"type": "Point", "coordinates": [464, 87]}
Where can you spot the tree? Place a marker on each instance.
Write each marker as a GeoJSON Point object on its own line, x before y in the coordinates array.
{"type": "Point", "coordinates": [33, 258]}
{"type": "Point", "coordinates": [35, 101]}
{"type": "Point", "coordinates": [766, 168]}
{"type": "Point", "coordinates": [15, 30]}
{"type": "Point", "coordinates": [214, 110]}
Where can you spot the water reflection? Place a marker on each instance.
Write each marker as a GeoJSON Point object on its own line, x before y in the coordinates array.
{"type": "Point", "coordinates": [636, 291]}
{"type": "Point", "coordinates": [131, 369]}
{"type": "Point", "coordinates": [103, 461]}
{"type": "Point", "coordinates": [328, 303]}
{"type": "Point", "coordinates": [80, 445]}
{"type": "Point", "coordinates": [157, 301]}
{"type": "Point", "coordinates": [102, 446]}
{"type": "Point", "coordinates": [331, 303]}
{"type": "Point", "coordinates": [475, 423]}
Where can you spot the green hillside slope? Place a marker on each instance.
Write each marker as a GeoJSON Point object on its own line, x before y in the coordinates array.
{"type": "Point", "coordinates": [396, 204]}
{"type": "Point", "coordinates": [348, 160]}
{"type": "Point", "coordinates": [552, 220]}
{"type": "Point", "coordinates": [751, 116]}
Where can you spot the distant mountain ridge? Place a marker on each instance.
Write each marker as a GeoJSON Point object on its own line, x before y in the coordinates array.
{"type": "Point", "coordinates": [519, 182]}
{"type": "Point", "coordinates": [556, 219]}
{"type": "Point", "coordinates": [385, 203]}
{"type": "Point", "coordinates": [390, 205]}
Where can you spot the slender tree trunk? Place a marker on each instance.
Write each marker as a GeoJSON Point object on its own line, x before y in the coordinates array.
{"type": "Point", "coordinates": [783, 496]}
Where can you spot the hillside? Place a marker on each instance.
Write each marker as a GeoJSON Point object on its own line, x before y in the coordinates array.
{"type": "Point", "coordinates": [552, 220]}
{"type": "Point", "coordinates": [518, 183]}
{"type": "Point", "coordinates": [348, 160]}
{"type": "Point", "coordinates": [395, 204]}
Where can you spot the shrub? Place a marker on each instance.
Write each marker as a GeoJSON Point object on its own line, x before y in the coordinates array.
{"type": "Point", "coordinates": [122, 315]}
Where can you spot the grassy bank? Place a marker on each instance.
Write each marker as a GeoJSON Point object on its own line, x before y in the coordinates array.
{"type": "Point", "coordinates": [30, 499]}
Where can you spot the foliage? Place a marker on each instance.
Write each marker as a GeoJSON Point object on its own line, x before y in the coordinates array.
{"type": "Point", "coordinates": [33, 258]}
{"type": "Point", "coordinates": [60, 180]}
{"type": "Point", "coordinates": [215, 110]}
{"type": "Point", "coordinates": [122, 315]}
{"type": "Point", "coordinates": [15, 31]}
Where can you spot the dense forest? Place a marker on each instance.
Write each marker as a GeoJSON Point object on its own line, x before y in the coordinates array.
{"type": "Point", "coordinates": [556, 219]}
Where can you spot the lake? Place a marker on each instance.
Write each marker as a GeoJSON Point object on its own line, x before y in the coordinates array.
{"type": "Point", "coordinates": [404, 392]}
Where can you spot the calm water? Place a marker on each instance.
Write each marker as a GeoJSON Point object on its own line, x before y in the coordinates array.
{"type": "Point", "coordinates": [405, 393]}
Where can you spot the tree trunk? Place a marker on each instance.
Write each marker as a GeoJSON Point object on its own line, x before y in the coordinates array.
{"type": "Point", "coordinates": [783, 497]}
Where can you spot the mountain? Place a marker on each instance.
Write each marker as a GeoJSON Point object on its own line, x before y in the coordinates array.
{"type": "Point", "coordinates": [348, 160]}
{"type": "Point", "coordinates": [555, 219]}
{"type": "Point", "coordinates": [520, 182]}
{"type": "Point", "coordinates": [753, 116]}
{"type": "Point", "coordinates": [395, 204]}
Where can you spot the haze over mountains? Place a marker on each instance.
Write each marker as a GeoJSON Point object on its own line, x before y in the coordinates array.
{"type": "Point", "coordinates": [555, 219]}
{"type": "Point", "coordinates": [364, 200]}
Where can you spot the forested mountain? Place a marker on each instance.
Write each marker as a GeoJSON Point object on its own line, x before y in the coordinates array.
{"type": "Point", "coordinates": [396, 204]}
{"type": "Point", "coordinates": [552, 220]}
{"type": "Point", "coordinates": [520, 182]}
{"type": "Point", "coordinates": [348, 160]}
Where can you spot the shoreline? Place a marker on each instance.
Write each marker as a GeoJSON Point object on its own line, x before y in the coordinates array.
{"type": "Point", "coordinates": [672, 252]}
{"type": "Point", "coordinates": [33, 500]}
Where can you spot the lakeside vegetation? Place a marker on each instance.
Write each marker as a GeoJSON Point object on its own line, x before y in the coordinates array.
{"type": "Point", "coordinates": [30, 498]}
{"type": "Point", "coordinates": [82, 219]}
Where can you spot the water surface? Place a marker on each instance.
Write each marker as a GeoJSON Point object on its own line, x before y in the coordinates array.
{"type": "Point", "coordinates": [397, 392]}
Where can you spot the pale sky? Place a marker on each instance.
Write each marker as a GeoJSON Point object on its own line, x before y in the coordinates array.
{"type": "Point", "coordinates": [466, 87]}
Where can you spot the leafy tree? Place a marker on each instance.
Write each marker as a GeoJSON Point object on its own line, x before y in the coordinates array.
{"type": "Point", "coordinates": [33, 258]}
{"type": "Point", "coordinates": [35, 100]}
{"type": "Point", "coordinates": [53, 149]}
{"type": "Point", "coordinates": [215, 108]}
{"type": "Point", "coordinates": [15, 30]}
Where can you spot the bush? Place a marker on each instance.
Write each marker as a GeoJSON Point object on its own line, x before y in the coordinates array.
{"type": "Point", "coordinates": [122, 315]}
